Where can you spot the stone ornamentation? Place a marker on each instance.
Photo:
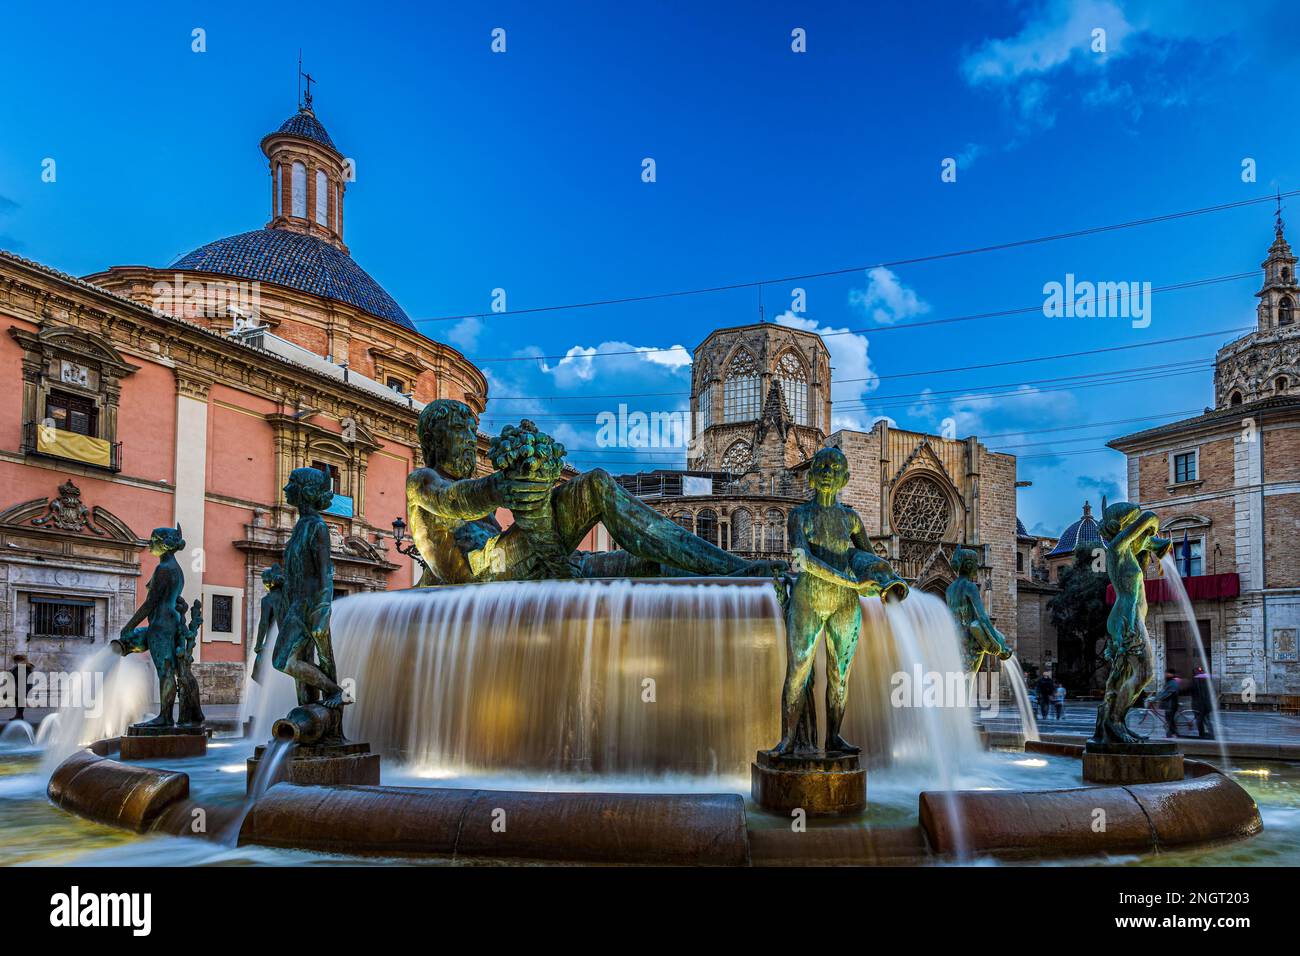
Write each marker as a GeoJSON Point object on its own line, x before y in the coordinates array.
{"type": "Point", "coordinates": [68, 512]}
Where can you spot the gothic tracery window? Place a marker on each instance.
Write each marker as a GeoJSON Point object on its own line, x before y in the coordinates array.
{"type": "Point", "coordinates": [921, 509]}
{"type": "Point", "coordinates": [740, 399]}
{"type": "Point", "coordinates": [794, 386]}
{"type": "Point", "coordinates": [738, 458]}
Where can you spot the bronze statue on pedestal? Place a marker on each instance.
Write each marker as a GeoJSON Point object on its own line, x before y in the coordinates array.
{"type": "Point", "coordinates": [979, 637]}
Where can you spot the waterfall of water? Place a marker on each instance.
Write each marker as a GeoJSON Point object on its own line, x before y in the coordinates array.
{"type": "Point", "coordinates": [1170, 568]}
{"type": "Point", "coordinates": [270, 771]}
{"type": "Point", "coordinates": [17, 733]}
{"type": "Point", "coordinates": [1012, 672]}
{"type": "Point", "coordinates": [113, 693]}
{"type": "Point", "coordinates": [623, 677]}
{"type": "Point", "coordinates": [264, 700]}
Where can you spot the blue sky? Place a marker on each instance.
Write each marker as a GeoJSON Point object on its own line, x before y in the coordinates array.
{"type": "Point", "coordinates": [522, 171]}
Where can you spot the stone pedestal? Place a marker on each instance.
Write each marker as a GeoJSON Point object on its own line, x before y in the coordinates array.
{"type": "Point", "coordinates": [324, 765]}
{"type": "Point", "coordinates": [1132, 763]}
{"type": "Point", "coordinates": [821, 784]}
{"type": "Point", "coordinates": [164, 743]}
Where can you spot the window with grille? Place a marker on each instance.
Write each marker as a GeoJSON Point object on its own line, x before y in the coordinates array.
{"type": "Point", "coordinates": [223, 614]}
{"type": "Point", "coordinates": [738, 458]}
{"type": "Point", "coordinates": [72, 413]}
{"type": "Point", "coordinates": [740, 390]}
{"type": "Point", "coordinates": [706, 525]}
{"type": "Point", "coordinates": [62, 617]}
{"type": "Point", "coordinates": [794, 386]}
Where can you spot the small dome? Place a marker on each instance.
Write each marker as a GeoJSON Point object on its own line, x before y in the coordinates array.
{"type": "Point", "coordinates": [299, 262]}
{"type": "Point", "coordinates": [305, 124]}
{"type": "Point", "coordinates": [1085, 531]}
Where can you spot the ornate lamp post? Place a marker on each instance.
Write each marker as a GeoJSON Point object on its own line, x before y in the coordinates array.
{"type": "Point", "coordinates": [410, 550]}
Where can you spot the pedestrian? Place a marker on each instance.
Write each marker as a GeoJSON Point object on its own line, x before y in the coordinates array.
{"type": "Point", "coordinates": [1059, 700]}
{"type": "Point", "coordinates": [1203, 703]}
{"type": "Point", "coordinates": [1046, 688]}
{"type": "Point", "coordinates": [1169, 697]}
{"type": "Point", "coordinates": [22, 674]}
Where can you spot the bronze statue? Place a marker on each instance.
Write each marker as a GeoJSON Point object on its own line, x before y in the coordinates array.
{"type": "Point", "coordinates": [979, 636]}
{"type": "Point", "coordinates": [308, 594]}
{"type": "Point", "coordinates": [835, 567]}
{"type": "Point", "coordinates": [452, 513]}
{"type": "Point", "coordinates": [166, 637]}
{"type": "Point", "coordinates": [1128, 535]}
{"type": "Point", "coordinates": [272, 613]}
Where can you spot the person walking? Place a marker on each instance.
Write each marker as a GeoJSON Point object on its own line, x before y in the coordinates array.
{"type": "Point", "coordinates": [1169, 697]}
{"type": "Point", "coordinates": [22, 673]}
{"type": "Point", "coordinates": [1046, 687]}
{"type": "Point", "coordinates": [1203, 703]}
{"type": "Point", "coordinates": [1059, 700]}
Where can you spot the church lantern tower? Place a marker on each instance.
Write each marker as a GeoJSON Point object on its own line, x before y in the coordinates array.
{"type": "Point", "coordinates": [309, 177]}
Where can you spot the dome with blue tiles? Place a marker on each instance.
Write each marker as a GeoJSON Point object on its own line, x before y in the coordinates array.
{"type": "Point", "coordinates": [1084, 532]}
{"type": "Point", "coordinates": [296, 261]}
{"type": "Point", "coordinates": [305, 124]}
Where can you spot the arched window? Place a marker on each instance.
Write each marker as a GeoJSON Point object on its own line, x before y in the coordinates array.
{"type": "Point", "coordinates": [921, 509]}
{"type": "Point", "coordinates": [1234, 398]}
{"type": "Point", "coordinates": [1280, 384]}
{"type": "Point", "coordinates": [738, 458]}
{"type": "Point", "coordinates": [1285, 311]}
{"type": "Point", "coordinates": [685, 520]}
{"type": "Point", "coordinates": [794, 386]}
{"type": "Point", "coordinates": [277, 187]}
{"type": "Point", "coordinates": [706, 525]}
{"type": "Point", "coordinates": [742, 530]}
{"type": "Point", "coordinates": [298, 191]}
{"type": "Point", "coordinates": [774, 531]}
{"type": "Point", "coordinates": [740, 389]}
{"type": "Point", "coordinates": [322, 197]}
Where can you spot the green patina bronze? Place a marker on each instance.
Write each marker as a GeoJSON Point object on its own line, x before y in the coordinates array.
{"type": "Point", "coordinates": [303, 648]}
{"type": "Point", "coordinates": [452, 514]}
{"type": "Point", "coordinates": [979, 636]}
{"type": "Point", "coordinates": [168, 640]}
{"type": "Point", "coordinates": [835, 566]}
{"type": "Point", "coordinates": [1128, 536]}
{"type": "Point", "coordinates": [271, 614]}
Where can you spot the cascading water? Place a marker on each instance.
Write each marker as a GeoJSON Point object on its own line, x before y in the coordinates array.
{"type": "Point", "coordinates": [270, 771]}
{"type": "Point", "coordinates": [623, 678]}
{"type": "Point", "coordinates": [1170, 568]}
{"type": "Point", "coordinates": [1012, 672]}
{"type": "Point", "coordinates": [17, 734]}
{"type": "Point", "coordinates": [113, 693]}
{"type": "Point", "coordinates": [267, 698]}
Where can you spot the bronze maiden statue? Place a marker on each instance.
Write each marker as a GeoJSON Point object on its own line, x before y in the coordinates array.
{"type": "Point", "coordinates": [978, 635]}
{"type": "Point", "coordinates": [835, 566]}
{"type": "Point", "coordinates": [1128, 536]}
{"type": "Point", "coordinates": [167, 638]}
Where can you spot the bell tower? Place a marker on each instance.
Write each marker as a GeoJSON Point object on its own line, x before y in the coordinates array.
{"type": "Point", "coordinates": [1279, 297]}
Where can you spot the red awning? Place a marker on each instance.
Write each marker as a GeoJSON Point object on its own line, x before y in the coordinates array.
{"type": "Point", "coordinates": [1201, 587]}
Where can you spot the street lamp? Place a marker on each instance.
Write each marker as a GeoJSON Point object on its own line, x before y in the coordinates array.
{"type": "Point", "coordinates": [410, 550]}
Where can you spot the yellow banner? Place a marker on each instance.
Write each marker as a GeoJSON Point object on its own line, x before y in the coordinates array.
{"type": "Point", "coordinates": [55, 441]}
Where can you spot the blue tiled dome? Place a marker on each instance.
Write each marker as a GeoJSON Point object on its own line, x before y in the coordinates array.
{"type": "Point", "coordinates": [305, 124]}
{"type": "Point", "coordinates": [299, 262]}
{"type": "Point", "coordinates": [1085, 531]}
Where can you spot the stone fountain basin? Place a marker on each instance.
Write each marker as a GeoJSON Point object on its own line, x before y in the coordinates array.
{"type": "Point", "coordinates": [1206, 807]}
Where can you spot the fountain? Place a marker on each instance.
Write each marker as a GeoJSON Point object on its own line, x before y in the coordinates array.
{"type": "Point", "coordinates": [612, 717]}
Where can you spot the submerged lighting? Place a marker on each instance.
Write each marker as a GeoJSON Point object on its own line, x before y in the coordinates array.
{"type": "Point", "coordinates": [234, 768]}
{"type": "Point", "coordinates": [1030, 762]}
{"type": "Point", "coordinates": [1258, 772]}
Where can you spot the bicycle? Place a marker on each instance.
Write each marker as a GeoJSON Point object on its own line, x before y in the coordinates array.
{"type": "Point", "coordinates": [1149, 721]}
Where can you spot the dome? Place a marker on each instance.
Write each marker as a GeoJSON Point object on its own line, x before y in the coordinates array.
{"type": "Point", "coordinates": [296, 261]}
{"type": "Point", "coordinates": [1085, 531]}
{"type": "Point", "coordinates": [305, 124]}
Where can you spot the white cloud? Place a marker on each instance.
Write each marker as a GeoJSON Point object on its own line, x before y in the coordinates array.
{"type": "Point", "coordinates": [1059, 30]}
{"type": "Point", "coordinates": [464, 334]}
{"type": "Point", "coordinates": [885, 299]}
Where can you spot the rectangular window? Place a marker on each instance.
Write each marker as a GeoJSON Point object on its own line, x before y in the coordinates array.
{"type": "Point", "coordinates": [72, 413]}
{"type": "Point", "coordinates": [704, 408]}
{"type": "Point", "coordinates": [223, 613]}
{"type": "Point", "coordinates": [62, 617]}
{"type": "Point", "coordinates": [740, 398]}
{"type": "Point", "coordinates": [1020, 561]}
{"type": "Point", "coordinates": [1184, 467]}
{"type": "Point", "coordinates": [396, 384]}
{"type": "Point", "coordinates": [1192, 563]}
